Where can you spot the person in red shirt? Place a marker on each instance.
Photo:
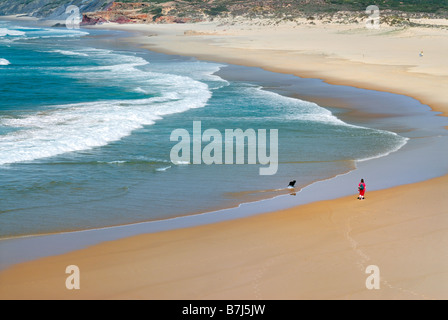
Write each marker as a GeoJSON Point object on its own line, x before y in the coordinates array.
{"type": "Point", "coordinates": [361, 189]}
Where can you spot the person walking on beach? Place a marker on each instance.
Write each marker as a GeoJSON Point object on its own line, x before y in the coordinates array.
{"type": "Point", "coordinates": [361, 189]}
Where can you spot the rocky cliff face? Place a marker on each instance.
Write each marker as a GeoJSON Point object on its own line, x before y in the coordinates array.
{"type": "Point", "coordinates": [138, 12]}
{"type": "Point", "coordinates": [181, 11]}
{"type": "Point", "coordinates": [50, 9]}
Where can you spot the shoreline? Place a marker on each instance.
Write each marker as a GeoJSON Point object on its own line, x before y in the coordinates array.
{"type": "Point", "coordinates": [219, 225]}
{"type": "Point", "coordinates": [270, 83]}
{"type": "Point", "coordinates": [160, 38]}
{"type": "Point", "coordinates": [246, 208]}
{"type": "Point", "coordinates": [289, 254]}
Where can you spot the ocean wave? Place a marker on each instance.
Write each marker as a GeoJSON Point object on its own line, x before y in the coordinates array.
{"type": "Point", "coordinates": [297, 109]}
{"type": "Point", "coordinates": [72, 35]}
{"type": "Point", "coordinates": [70, 53]}
{"type": "Point", "coordinates": [87, 125]}
{"type": "Point", "coordinates": [146, 161]}
{"type": "Point", "coordinates": [82, 126]}
{"type": "Point", "coordinates": [203, 71]}
{"type": "Point", "coordinates": [4, 62]}
{"type": "Point", "coordinates": [300, 110]}
{"type": "Point", "coordinates": [140, 160]}
{"type": "Point", "coordinates": [75, 127]}
{"type": "Point", "coordinates": [180, 162]}
{"type": "Point", "coordinates": [140, 90]}
{"type": "Point", "coordinates": [115, 162]}
{"type": "Point", "coordinates": [401, 143]}
{"type": "Point", "coordinates": [163, 169]}
{"type": "Point", "coordinates": [8, 32]}
{"type": "Point", "coordinates": [136, 74]}
{"type": "Point", "coordinates": [36, 33]}
{"type": "Point", "coordinates": [46, 33]}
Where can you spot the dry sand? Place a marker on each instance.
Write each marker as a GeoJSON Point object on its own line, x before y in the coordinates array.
{"type": "Point", "coordinates": [386, 59]}
{"type": "Point", "coordinates": [316, 251]}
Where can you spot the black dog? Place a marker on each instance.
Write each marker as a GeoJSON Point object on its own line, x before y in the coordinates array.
{"type": "Point", "coordinates": [291, 184]}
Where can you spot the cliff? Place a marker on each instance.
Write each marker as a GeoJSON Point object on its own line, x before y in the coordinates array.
{"type": "Point", "coordinates": [139, 12]}
{"type": "Point", "coordinates": [181, 11]}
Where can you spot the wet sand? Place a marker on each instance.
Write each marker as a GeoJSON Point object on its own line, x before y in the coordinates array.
{"type": "Point", "coordinates": [315, 251]}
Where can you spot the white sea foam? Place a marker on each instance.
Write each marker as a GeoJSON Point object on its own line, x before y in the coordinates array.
{"type": "Point", "coordinates": [4, 62]}
{"type": "Point", "coordinates": [202, 71]}
{"type": "Point", "coordinates": [140, 90]}
{"type": "Point", "coordinates": [71, 53]}
{"type": "Point", "coordinates": [163, 169]}
{"type": "Point", "coordinates": [82, 126]}
{"type": "Point", "coordinates": [181, 162]}
{"type": "Point", "coordinates": [88, 125]}
{"type": "Point", "coordinates": [45, 33]}
{"type": "Point", "coordinates": [8, 32]}
{"type": "Point", "coordinates": [403, 141]}
{"type": "Point", "coordinates": [56, 33]}
{"type": "Point", "coordinates": [296, 109]}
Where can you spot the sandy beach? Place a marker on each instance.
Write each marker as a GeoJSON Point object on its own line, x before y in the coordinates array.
{"type": "Point", "coordinates": [386, 59]}
{"type": "Point", "coordinates": [315, 251]}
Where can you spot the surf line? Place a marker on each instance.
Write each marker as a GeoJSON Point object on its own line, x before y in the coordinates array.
{"type": "Point", "coordinates": [234, 139]}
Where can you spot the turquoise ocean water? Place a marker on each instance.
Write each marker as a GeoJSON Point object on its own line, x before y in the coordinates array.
{"type": "Point", "coordinates": [85, 129]}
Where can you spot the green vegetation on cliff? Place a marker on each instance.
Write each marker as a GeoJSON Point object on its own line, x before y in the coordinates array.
{"type": "Point", "coordinates": [217, 6]}
{"type": "Point", "coordinates": [214, 8]}
{"type": "Point", "coordinates": [430, 6]}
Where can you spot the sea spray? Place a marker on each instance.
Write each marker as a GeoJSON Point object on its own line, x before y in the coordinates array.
{"type": "Point", "coordinates": [4, 62]}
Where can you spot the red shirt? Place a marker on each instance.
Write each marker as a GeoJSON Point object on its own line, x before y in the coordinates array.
{"type": "Point", "coordinates": [361, 191]}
